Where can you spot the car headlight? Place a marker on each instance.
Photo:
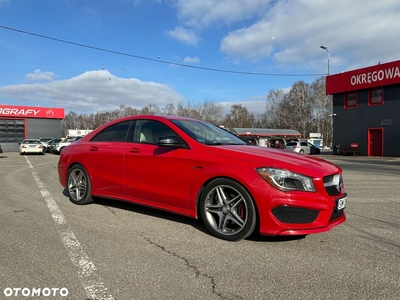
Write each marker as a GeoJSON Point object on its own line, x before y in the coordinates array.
{"type": "Point", "coordinates": [285, 180]}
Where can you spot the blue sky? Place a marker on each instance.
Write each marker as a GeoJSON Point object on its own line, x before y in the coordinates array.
{"type": "Point", "coordinates": [145, 46]}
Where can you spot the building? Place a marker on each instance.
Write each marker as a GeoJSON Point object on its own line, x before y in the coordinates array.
{"type": "Point", "coordinates": [366, 107]}
{"type": "Point", "coordinates": [22, 122]}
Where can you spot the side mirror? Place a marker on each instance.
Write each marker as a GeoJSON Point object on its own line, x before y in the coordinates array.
{"type": "Point", "coordinates": [170, 141]}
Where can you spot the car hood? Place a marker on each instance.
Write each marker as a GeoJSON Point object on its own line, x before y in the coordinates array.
{"type": "Point", "coordinates": [282, 159]}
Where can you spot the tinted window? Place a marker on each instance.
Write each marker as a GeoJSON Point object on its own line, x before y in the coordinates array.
{"type": "Point", "coordinates": [115, 133]}
{"type": "Point", "coordinates": [208, 134]}
{"type": "Point", "coordinates": [291, 144]}
{"type": "Point", "coordinates": [149, 131]}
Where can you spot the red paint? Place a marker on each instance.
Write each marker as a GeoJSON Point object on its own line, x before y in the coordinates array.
{"type": "Point", "coordinates": [171, 178]}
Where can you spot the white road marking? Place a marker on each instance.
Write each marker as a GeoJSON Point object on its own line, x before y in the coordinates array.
{"type": "Point", "coordinates": [91, 281]}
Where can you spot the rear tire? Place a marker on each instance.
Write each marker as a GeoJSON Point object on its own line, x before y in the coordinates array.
{"type": "Point", "coordinates": [227, 210]}
{"type": "Point", "coordinates": [79, 187]}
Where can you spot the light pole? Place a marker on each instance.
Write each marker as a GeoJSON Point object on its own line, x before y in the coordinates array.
{"type": "Point", "coordinates": [326, 48]}
{"type": "Point", "coordinates": [333, 114]}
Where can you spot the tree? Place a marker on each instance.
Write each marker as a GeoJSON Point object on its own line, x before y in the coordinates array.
{"type": "Point", "coordinates": [239, 117]}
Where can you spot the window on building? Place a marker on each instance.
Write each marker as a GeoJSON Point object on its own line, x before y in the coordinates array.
{"type": "Point", "coordinates": [350, 100]}
{"type": "Point", "coordinates": [375, 97]}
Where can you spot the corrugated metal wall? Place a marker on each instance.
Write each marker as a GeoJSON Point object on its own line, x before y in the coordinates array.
{"type": "Point", "coordinates": [12, 131]}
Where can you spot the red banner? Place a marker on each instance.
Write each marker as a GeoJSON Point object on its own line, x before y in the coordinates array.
{"type": "Point", "coordinates": [31, 112]}
{"type": "Point", "coordinates": [365, 78]}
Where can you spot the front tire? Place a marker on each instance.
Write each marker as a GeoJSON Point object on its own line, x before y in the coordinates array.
{"type": "Point", "coordinates": [79, 187]}
{"type": "Point", "coordinates": [227, 210]}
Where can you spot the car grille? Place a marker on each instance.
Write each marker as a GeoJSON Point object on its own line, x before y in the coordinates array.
{"type": "Point", "coordinates": [294, 215]}
{"type": "Point", "coordinates": [333, 184]}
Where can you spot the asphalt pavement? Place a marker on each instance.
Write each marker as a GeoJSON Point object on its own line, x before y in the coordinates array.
{"type": "Point", "coordinates": [114, 250]}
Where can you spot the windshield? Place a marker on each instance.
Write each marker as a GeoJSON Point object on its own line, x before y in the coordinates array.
{"type": "Point", "coordinates": [208, 134]}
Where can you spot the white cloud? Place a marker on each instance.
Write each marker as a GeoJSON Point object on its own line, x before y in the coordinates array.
{"type": "Point", "coordinates": [184, 35]}
{"type": "Point", "coordinates": [203, 13]}
{"type": "Point", "coordinates": [38, 75]}
{"type": "Point", "coordinates": [358, 30]}
{"type": "Point", "coordinates": [93, 91]}
{"type": "Point", "coordinates": [358, 33]}
{"type": "Point", "coordinates": [191, 60]}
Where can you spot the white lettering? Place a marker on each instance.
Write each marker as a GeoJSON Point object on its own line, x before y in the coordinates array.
{"type": "Point", "coordinates": [47, 291]}
{"type": "Point", "coordinates": [389, 73]}
{"type": "Point", "coordinates": [397, 72]}
{"type": "Point", "coordinates": [381, 75]}
{"type": "Point", "coordinates": [55, 291]}
{"type": "Point", "coordinates": [18, 112]}
{"type": "Point", "coordinates": [8, 292]}
{"type": "Point", "coordinates": [26, 292]}
{"type": "Point", "coordinates": [375, 76]}
{"type": "Point", "coordinates": [16, 290]}
{"type": "Point", "coordinates": [64, 292]}
{"type": "Point", "coordinates": [353, 80]}
{"type": "Point", "coordinates": [363, 78]}
{"type": "Point", "coordinates": [36, 292]}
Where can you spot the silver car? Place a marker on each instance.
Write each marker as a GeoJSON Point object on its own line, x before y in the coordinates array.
{"type": "Point", "coordinates": [302, 147]}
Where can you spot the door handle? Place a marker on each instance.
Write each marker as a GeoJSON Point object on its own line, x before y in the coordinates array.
{"type": "Point", "coordinates": [93, 149]}
{"type": "Point", "coordinates": [135, 150]}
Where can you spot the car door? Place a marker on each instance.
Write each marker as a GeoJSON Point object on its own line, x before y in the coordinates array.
{"type": "Point", "coordinates": [313, 149]}
{"type": "Point", "coordinates": [157, 175]}
{"type": "Point", "coordinates": [306, 148]}
{"type": "Point", "coordinates": [104, 159]}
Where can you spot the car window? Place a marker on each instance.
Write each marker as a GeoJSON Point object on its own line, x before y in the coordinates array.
{"type": "Point", "coordinates": [114, 133]}
{"type": "Point", "coordinates": [291, 144]}
{"type": "Point", "coordinates": [303, 144]}
{"type": "Point", "coordinates": [208, 134]}
{"type": "Point", "coordinates": [149, 131]}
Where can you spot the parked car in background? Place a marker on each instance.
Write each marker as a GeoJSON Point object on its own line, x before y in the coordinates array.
{"type": "Point", "coordinates": [199, 170]}
{"type": "Point", "coordinates": [31, 146]}
{"type": "Point", "coordinates": [59, 147]}
{"type": "Point", "coordinates": [51, 144]}
{"type": "Point", "coordinates": [276, 142]}
{"type": "Point", "coordinates": [44, 141]}
{"type": "Point", "coordinates": [302, 147]}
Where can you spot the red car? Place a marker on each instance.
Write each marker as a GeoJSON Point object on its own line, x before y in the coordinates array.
{"type": "Point", "coordinates": [199, 170]}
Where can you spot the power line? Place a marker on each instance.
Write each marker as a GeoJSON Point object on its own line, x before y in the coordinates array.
{"type": "Point", "coordinates": [151, 59]}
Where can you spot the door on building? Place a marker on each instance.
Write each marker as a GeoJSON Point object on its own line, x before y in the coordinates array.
{"type": "Point", "coordinates": [375, 142]}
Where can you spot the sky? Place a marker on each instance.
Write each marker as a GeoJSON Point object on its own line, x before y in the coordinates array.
{"type": "Point", "coordinates": [94, 56]}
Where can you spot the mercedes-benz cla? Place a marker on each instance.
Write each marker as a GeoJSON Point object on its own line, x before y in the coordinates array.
{"type": "Point", "coordinates": [202, 171]}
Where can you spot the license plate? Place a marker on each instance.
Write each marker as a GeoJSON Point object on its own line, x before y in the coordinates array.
{"type": "Point", "coordinates": [341, 203]}
{"type": "Point", "coordinates": [32, 146]}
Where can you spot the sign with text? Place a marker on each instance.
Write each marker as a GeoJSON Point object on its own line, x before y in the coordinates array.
{"type": "Point", "coordinates": [354, 145]}
{"type": "Point", "coordinates": [365, 78]}
{"type": "Point", "coordinates": [31, 112]}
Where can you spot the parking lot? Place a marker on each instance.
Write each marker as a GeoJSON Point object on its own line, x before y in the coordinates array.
{"type": "Point", "coordinates": [114, 250]}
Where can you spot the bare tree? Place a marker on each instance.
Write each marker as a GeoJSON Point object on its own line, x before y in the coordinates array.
{"type": "Point", "coordinates": [273, 109]}
{"type": "Point", "coordinates": [211, 112]}
{"type": "Point", "coordinates": [297, 108]}
{"type": "Point", "coordinates": [239, 117]}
